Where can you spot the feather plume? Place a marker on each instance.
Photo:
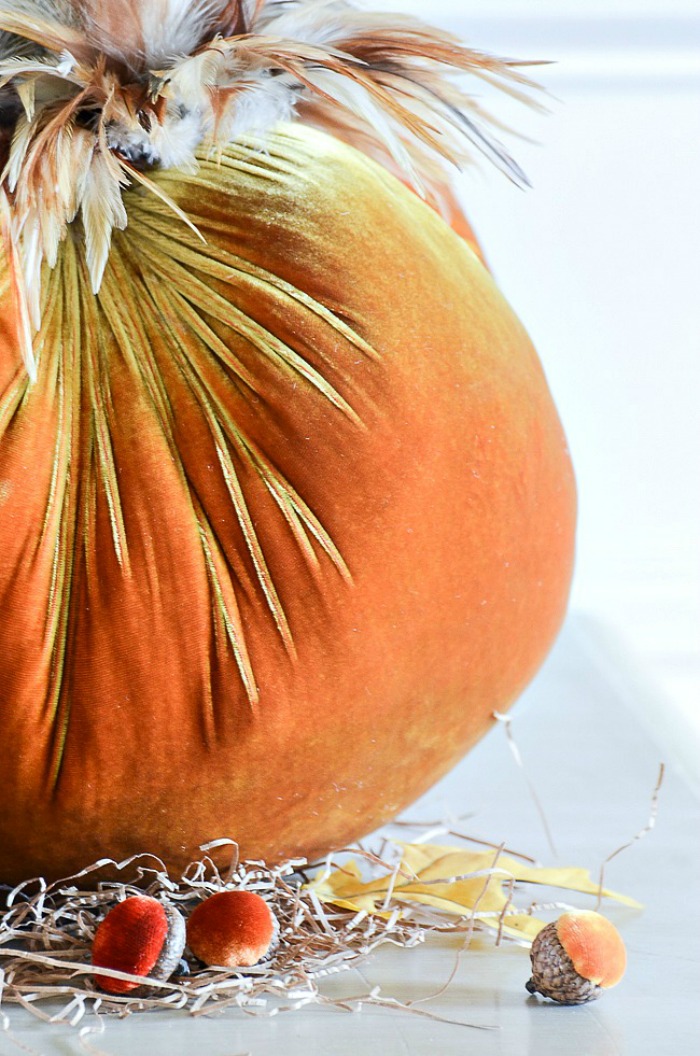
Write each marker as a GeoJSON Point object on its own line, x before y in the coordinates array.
{"type": "Point", "coordinates": [102, 210]}
{"type": "Point", "coordinates": [94, 92]}
{"type": "Point", "coordinates": [17, 283]}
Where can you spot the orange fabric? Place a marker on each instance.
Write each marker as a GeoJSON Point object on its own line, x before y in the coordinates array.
{"type": "Point", "coordinates": [131, 600]}
{"type": "Point", "coordinates": [129, 939]}
{"type": "Point", "coordinates": [594, 945]}
{"type": "Point", "coordinates": [444, 201]}
{"type": "Point", "coordinates": [231, 929]}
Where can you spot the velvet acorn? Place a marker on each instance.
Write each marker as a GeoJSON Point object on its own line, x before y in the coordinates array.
{"type": "Point", "coordinates": [577, 957]}
{"type": "Point", "coordinates": [140, 936]}
{"type": "Point", "coordinates": [232, 929]}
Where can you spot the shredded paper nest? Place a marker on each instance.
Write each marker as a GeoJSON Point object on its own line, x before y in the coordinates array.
{"type": "Point", "coordinates": [331, 916]}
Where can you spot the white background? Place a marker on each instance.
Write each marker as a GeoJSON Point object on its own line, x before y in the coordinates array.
{"type": "Point", "coordinates": [601, 260]}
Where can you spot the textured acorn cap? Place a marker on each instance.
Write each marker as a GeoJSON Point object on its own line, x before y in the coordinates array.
{"type": "Point", "coordinates": [140, 936]}
{"type": "Point", "coordinates": [231, 929]}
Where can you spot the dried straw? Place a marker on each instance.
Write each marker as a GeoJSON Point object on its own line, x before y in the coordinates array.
{"type": "Point", "coordinates": [46, 934]}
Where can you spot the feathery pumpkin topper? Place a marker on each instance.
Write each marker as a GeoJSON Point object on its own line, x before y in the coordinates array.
{"type": "Point", "coordinates": [93, 94]}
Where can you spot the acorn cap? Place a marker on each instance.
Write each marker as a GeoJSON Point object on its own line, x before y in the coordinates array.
{"type": "Point", "coordinates": [576, 958]}
{"type": "Point", "coordinates": [140, 936]}
{"type": "Point", "coordinates": [232, 929]}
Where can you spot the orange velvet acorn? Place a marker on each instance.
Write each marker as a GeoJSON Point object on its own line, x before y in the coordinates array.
{"type": "Point", "coordinates": [577, 957]}
{"type": "Point", "coordinates": [232, 929]}
{"type": "Point", "coordinates": [140, 936]}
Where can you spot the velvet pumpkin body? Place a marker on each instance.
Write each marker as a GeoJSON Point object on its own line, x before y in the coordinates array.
{"type": "Point", "coordinates": [285, 517]}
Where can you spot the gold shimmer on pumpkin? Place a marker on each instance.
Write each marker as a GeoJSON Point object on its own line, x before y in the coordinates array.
{"type": "Point", "coordinates": [238, 446]}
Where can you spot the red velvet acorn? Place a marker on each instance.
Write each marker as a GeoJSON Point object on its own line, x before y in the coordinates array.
{"type": "Point", "coordinates": [140, 936]}
{"type": "Point", "coordinates": [232, 929]}
{"type": "Point", "coordinates": [576, 958]}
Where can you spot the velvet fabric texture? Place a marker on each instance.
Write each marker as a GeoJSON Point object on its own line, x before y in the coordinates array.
{"type": "Point", "coordinates": [286, 516]}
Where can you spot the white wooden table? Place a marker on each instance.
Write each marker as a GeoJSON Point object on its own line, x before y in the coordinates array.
{"type": "Point", "coordinates": [594, 765]}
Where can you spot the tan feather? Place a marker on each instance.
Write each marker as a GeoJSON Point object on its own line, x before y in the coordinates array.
{"type": "Point", "coordinates": [107, 90]}
{"type": "Point", "coordinates": [236, 17]}
{"type": "Point", "coordinates": [45, 31]}
{"type": "Point", "coordinates": [102, 209]}
{"type": "Point", "coordinates": [17, 284]}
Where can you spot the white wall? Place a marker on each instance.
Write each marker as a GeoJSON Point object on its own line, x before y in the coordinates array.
{"type": "Point", "coordinates": [601, 259]}
{"type": "Point", "coordinates": [441, 11]}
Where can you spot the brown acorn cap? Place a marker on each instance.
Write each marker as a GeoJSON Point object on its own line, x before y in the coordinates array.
{"type": "Point", "coordinates": [231, 929]}
{"type": "Point", "coordinates": [140, 936]}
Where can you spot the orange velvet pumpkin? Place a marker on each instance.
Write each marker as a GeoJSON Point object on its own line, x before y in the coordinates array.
{"type": "Point", "coordinates": [283, 520]}
{"type": "Point", "coordinates": [286, 511]}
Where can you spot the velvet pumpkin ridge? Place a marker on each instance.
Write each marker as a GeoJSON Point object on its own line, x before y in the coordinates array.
{"type": "Point", "coordinates": [168, 315]}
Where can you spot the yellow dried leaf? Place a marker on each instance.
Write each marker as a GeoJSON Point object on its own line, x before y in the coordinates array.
{"type": "Point", "coordinates": [456, 882]}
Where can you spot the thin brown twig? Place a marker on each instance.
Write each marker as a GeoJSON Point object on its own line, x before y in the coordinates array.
{"type": "Point", "coordinates": [507, 722]}
{"type": "Point", "coordinates": [467, 837]}
{"type": "Point", "coordinates": [653, 812]}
